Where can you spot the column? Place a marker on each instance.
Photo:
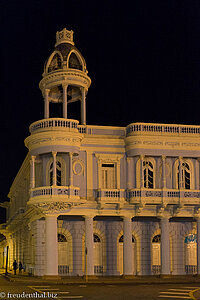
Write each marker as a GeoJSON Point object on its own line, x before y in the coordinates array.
{"type": "Point", "coordinates": [163, 171]}
{"type": "Point", "coordinates": [70, 169]}
{"type": "Point", "coordinates": [180, 173]}
{"type": "Point", "coordinates": [141, 172]}
{"type": "Point", "coordinates": [89, 241]}
{"type": "Point", "coordinates": [46, 103]}
{"type": "Point", "coordinates": [54, 168]}
{"type": "Point", "coordinates": [83, 107]}
{"type": "Point", "coordinates": [165, 246]}
{"type": "Point", "coordinates": [65, 100]}
{"type": "Point", "coordinates": [127, 247]}
{"type": "Point", "coordinates": [32, 172]}
{"type": "Point", "coordinates": [198, 246]}
{"type": "Point", "coordinates": [51, 245]}
{"type": "Point", "coordinates": [129, 172]}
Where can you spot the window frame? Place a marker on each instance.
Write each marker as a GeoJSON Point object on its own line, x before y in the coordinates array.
{"type": "Point", "coordinates": [62, 169]}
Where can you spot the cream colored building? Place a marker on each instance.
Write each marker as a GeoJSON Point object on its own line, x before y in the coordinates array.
{"type": "Point", "coordinates": [125, 198]}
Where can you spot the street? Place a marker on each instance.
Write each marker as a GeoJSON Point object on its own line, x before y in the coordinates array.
{"type": "Point", "coordinates": [22, 290]}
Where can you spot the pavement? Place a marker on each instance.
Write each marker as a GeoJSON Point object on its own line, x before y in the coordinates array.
{"type": "Point", "coordinates": [156, 279]}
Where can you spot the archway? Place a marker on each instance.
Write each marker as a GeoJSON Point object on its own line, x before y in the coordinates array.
{"type": "Point", "coordinates": [156, 259]}
{"type": "Point", "coordinates": [63, 255]}
{"type": "Point", "coordinates": [190, 254]}
{"type": "Point", "coordinates": [98, 255]}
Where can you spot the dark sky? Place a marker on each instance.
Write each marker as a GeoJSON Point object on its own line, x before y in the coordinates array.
{"type": "Point", "coordinates": [143, 58]}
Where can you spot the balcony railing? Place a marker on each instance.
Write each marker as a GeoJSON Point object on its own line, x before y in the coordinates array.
{"type": "Point", "coordinates": [51, 191]}
{"type": "Point", "coordinates": [156, 269]}
{"type": "Point", "coordinates": [53, 123]}
{"type": "Point", "coordinates": [111, 195]}
{"type": "Point", "coordinates": [162, 128]}
{"type": "Point", "coordinates": [158, 196]}
{"type": "Point", "coordinates": [191, 269]}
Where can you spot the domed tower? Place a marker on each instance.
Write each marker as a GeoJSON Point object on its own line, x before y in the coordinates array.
{"type": "Point", "coordinates": [65, 78]}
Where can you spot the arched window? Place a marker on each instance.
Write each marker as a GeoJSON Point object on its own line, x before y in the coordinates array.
{"type": "Point", "coordinates": [121, 239]}
{"type": "Point", "coordinates": [55, 63]}
{"type": "Point", "coordinates": [58, 173]}
{"type": "Point", "coordinates": [186, 176]}
{"type": "Point", "coordinates": [74, 62]}
{"type": "Point", "coordinates": [156, 239]}
{"type": "Point", "coordinates": [148, 174]}
{"type": "Point", "coordinates": [96, 239]}
{"type": "Point", "coordinates": [61, 238]}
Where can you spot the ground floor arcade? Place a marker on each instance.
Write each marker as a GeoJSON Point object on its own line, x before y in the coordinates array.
{"type": "Point", "coordinates": [74, 246]}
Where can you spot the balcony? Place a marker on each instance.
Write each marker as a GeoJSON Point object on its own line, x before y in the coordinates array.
{"type": "Point", "coordinates": [57, 193]}
{"type": "Point", "coordinates": [110, 196]}
{"type": "Point", "coordinates": [166, 196]}
{"type": "Point", "coordinates": [53, 124]}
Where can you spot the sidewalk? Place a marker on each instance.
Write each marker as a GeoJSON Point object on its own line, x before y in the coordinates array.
{"type": "Point", "coordinates": [24, 277]}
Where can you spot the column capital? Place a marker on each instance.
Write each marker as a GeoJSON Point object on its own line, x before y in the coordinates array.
{"type": "Point", "coordinates": [51, 216]}
{"type": "Point", "coordinates": [54, 153]}
{"type": "Point", "coordinates": [129, 158]}
{"type": "Point", "coordinates": [70, 154]}
{"type": "Point", "coordinates": [65, 85]}
{"type": "Point", "coordinates": [82, 89]}
{"type": "Point", "coordinates": [33, 157]}
{"type": "Point", "coordinates": [142, 157]}
{"type": "Point", "coordinates": [180, 157]}
{"type": "Point", "coordinates": [46, 91]}
{"type": "Point", "coordinates": [163, 157]}
{"type": "Point", "coordinates": [163, 214]}
{"type": "Point", "coordinates": [127, 218]}
{"type": "Point", "coordinates": [88, 217]}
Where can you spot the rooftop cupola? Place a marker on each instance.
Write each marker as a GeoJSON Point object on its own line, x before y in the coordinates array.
{"type": "Point", "coordinates": [65, 78]}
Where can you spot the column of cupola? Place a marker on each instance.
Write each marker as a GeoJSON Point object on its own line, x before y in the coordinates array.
{"type": "Point", "coordinates": [65, 101]}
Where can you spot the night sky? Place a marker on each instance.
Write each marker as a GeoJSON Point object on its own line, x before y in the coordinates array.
{"type": "Point", "coordinates": [143, 58]}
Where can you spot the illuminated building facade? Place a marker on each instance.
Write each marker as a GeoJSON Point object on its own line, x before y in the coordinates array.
{"type": "Point", "coordinates": [128, 198]}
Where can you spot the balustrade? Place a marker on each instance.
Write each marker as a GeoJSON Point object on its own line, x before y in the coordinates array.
{"type": "Point", "coordinates": [112, 195]}
{"type": "Point", "coordinates": [156, 196]}
{"type": "Point", "coordinates": [53, 123]}
{"type": "Point", "coordinates": [162, 128]}
{"type": "Point", "coordinates": [55, 191]}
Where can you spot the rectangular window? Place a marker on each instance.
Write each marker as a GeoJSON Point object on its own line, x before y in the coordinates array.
{"type": "Point", "coordinates": [108, 176]}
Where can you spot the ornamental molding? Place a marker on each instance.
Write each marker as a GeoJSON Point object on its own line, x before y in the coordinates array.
{"type": "Point", "coordinates": [109, 157]}
{"type": "Point", "coordinates": [190, 144]}
{"type": "Point", "coordinates": [82, 167]}
{"type": "Point", "coordinates": [55, 207]}
{"type": "Point", "coordinates": [152, 143]}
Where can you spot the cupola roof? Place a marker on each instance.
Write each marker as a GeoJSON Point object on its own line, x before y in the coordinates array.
{"type": "Point", "coordinates": [64, 46]}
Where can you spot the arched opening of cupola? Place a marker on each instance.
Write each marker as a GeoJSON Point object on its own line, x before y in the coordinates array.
{"type": "Point", "coordinates": [55, 102]}
{"type": "Point", "coordinates": [74, 62]}
{"type": "Point", "coordinates": [55, 64]}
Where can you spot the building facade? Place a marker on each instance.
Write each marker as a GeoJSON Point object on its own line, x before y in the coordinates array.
{"type": "Point", "coordinates": [102, 200]}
